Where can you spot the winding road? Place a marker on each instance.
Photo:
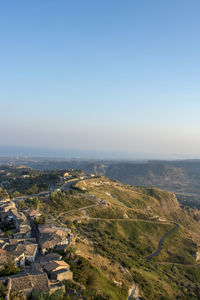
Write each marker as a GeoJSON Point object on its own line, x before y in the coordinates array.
{"type": "Point", "coordinates": [78, 209]}
{"type": "Point", "coordinates": [160, 243]}
{"type": "Point", "coordinates": [68, 185]}
{"type": "Point", "coordinates": [134, 285]}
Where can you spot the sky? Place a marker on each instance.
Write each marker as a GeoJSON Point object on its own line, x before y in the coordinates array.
{"type": "Point", "coordinates": [112, 77]}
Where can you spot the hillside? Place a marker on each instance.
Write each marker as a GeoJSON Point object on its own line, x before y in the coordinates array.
{"type": "Point", "coordinates": [135, 240]}
{"type": "Point", "coordinates": [126, 229]}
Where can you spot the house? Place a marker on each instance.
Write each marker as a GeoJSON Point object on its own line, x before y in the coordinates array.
{"type": "Point", "coordinates": [6, 205]}
{"type": "Point", "coordinates": [196, 255]}
{"type": "Point", "coordinates": [23, 233]}
{"type": "Point", "coordinates": [23, 254]}
{"type": "Point", "coordinates": [3, 258]}
{"type": "Point", "coordinates": [58, 270]}
{"type": "Point", "coordinates": [6, 210]}
{"type": "Point", "coordinates": [52, 236]}
{"type": "Point", "coordinates": [30, 253]}
{"type": "Point", "coordinates": [66, 174]}
{"type": "Point", "coordinates": [16, 251]}
{"type": "Point", "coordinates": [45, 259]}
{"type": "Point", "coordinates": [49, 242]}
{"type": "Point", "coordinates": [34, 214]}
{"type": "Point", "coordinates": [20, 219]}
{"type": "Point", "coordinates": [2, 245]}
{"type": "Point", "coordinates": [25, 283]}
{"type": "Point", "coordinates": [25, 176]}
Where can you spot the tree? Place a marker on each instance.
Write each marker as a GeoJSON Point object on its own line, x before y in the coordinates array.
{"type": "Point", "coordinates": [3, 193]}
{"type": "Point", "coordinates": [3, 290]}
{"type": "Point", "coordinates": [9, 268]}
{"type": "Point", "coordinates": [8, 233]}
{"type": "Point", "coordinates": [21, 204]}
{"type": "Point", "coordinates": [16, 194]}
{"type": "Point", "coordinates": [36, 202]}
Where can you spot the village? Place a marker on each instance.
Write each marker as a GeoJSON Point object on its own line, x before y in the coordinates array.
{"type": "Point", "coordinates": [30, 246]}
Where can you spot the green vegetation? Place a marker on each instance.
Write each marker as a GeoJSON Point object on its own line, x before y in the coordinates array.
{"type": "Point", "coordinates": [60, 201]}
{"type": "Point", "coordinates": [178, 248]}
{"type": "Point", "coordinates": [9, 268]}
{"type": "Point", "coordinates": [106, 212]}
{"type": "Point", "coordinates": [27, 181]}
{"type": "Point", "coordinates": [3, 193]}
{"type": "Point", "coordinates": [58, 295]}
{"type": "Point", "coordinates": [114, 238]}
{"type": "Point", "coordinates": [21, 204]}
{"type": "Point", "coordinates": [3, 290]}
{"type": "Point", "coordinates": [119, 234]}
{"type": "Point", "coordinates": [111, 239]}
{"type": "Point", "coordinates": [96, 284]}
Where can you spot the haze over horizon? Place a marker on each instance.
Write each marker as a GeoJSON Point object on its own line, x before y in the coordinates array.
{"type": "Point", "coordinates": [100, 78]}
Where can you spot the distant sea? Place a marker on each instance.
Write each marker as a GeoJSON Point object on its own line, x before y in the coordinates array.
{"type": "Point", "coordinates": [16, 151]}
{"type": "Point", "coordinates": [19, 151]}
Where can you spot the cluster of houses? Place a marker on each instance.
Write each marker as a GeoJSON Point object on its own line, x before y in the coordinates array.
{"type": "Point", "coordinates": [74, 174]}
{"type": "Point", "coordinates": [30, 247]}
{"type": "Point", "coordinates": [51, 237]}
{"type": "Point", "coordinates": [9, 215]}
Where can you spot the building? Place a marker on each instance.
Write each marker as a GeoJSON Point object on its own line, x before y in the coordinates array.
{"type": "Point", "coordinates": [23, 254]}
{"type": "Point", "coordinates": [58, 270]}
{"type": "Point", "coordinates": [52, 236]}
{"type": "Point", "coordinates": [25, 283]}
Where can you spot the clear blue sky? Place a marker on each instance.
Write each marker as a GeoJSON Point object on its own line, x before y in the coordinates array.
{"type": "Point", "coordinates": [108, 75]}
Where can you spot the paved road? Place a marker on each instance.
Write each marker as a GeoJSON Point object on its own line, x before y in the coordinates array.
{"type": "Point", "coordinates": [30, 196]}
{"type": "Point", "coordinates": [78, 209]}
{"type": "Point", "coordinates": [67, 186]}
{"type": "Point", "coordinates": [160, 243]}
{"type": "Point", "coordinates": [132, 292]}
{"type": "Point", "coordinates": [177, 264]}
{"type": "Point", "coordinates": [134, 285]}
{"type": "Point", "coordinates": [131, 220]}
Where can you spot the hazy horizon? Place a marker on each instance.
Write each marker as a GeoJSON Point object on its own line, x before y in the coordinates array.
{"type": "Point", "coordinates": [32, 152]}
{"type": "Point", "coordinates": [108, 78]}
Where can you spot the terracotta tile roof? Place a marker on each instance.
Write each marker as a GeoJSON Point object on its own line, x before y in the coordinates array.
{"type": "Point", "coordinates": [54, 265]}
{"type": "Point", "coordinates": [30, 249]}
{"type": "Point", "coordinates": [19, 284]}
{"type": "Point", "coordinates": [30, 282]}
{"type": "Point", "coordinates": [2, 251]}
{"type": "Point", "coordinates": [47, 244]}
{"type": "Point", "coordinates": [62, 263]}
{"type": "Point", "coordinates": [59, 232]}
{"type": "Point", "coordinates": [50, 257]}
{"type": "Point", "coordinates": [34, 213]}
{"type": "Point", "coordinates": [47, 241]}
{"type": "Point", "coordinates": [19, 250]}
{"type": "Point", "coordinates": [40, 282]}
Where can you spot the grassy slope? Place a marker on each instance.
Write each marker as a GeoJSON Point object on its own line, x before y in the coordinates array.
{"type": "Point", "coordinates": [129, 241]}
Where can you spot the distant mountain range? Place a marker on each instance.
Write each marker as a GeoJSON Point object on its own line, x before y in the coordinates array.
{"type": "Point", "coordinates": [181, 177]}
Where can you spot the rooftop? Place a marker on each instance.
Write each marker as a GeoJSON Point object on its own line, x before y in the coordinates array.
{"type": "Point", "coordinates": [37, 282]}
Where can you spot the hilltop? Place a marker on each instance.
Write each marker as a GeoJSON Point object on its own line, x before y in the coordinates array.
{"type": "Point", "coordinates": [181, 176]}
